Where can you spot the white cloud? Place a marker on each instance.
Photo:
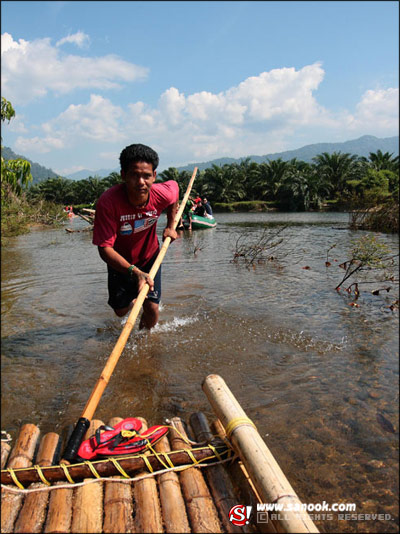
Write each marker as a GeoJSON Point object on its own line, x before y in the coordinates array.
{"type": "Point", "coordinates": [261, 115]}
{"type": "Point", "coordinates": [380, 108]}
{"type": "Point", "coordinates": [8, 43]}
{"type": "Point", "coordinates": [254, 117]}
{"type": "Point", "coordinates": [37, 144]}
{"type": "Point", "coordinates": [98, 120]}
{"type": "Point", "coordinates": [172, 105]}
{"type": "Point", "coordinates": [31, 69]}
{"type": "Point", "coordinates": [80, 39]}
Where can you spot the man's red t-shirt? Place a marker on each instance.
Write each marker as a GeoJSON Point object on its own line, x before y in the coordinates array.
{"type": "Point", "coordinates": [132, 231]}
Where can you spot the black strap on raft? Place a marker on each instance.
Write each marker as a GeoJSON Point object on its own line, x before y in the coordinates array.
{"type": "Point", "coordinates": [117, 439]}
{"type": "Point", "coordinates": [76, 438]}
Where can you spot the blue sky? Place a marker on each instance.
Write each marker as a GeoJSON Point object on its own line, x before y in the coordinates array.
{"type": "Point", "coordinates": [195, 80]}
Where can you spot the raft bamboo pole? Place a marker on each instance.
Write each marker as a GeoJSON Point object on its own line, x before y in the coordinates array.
{"type": "Point", "coordinates": [118, 502]}
{"type": "Point", "coordinates": [265, 472]}
{"type": "Point", "coordinates": [87, 513]}
{"type": "Point", "coordinates": [33, 512]}
{"type": "Point", "coordinates": [94, 399]}
{"type": "Point", "coordinates": [243, 483]}
{"type": "Point", "coordinates": [148, 516]}
{"type": "Point", "coordinates": [217, 477]}
{"type": "Point", "coordinates": [5, 452]}
{"type": "Point", "coordinates": [250, 494]}
{"type": "Point", "coordinates": [118, 507]}
{"type": "Point", "coordinates": [202, 513]}
{"type": "Point", "coordinates": [59, 513]}
{"type": "Point", "coordinates": [85, 218]}
{"type": "Point", "coordinates": [21, 456]}
{"type": "Point", "coordinates": [172, 502]}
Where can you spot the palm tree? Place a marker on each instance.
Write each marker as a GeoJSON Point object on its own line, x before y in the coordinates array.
{"type": "Point", "coordinates": [294, 193]}
{"type": "Point", "coordinates": [384, 161]}
{"type": "Point", "coordinates": [182, 177]}
{"type": "Point", "coordinates": [113, 178]}
{"type": "Point", "coordinates": [95, 187]}
{"type": "Point", "coordinates": [223, 183]}
{"type": "Point", "coordinates": [247, 175]}
{"type": "Point", "coordinates": [337, 168]}
{"type": "Point", "coordinates": [171, 173]}
{"type": "Point", "coordinates": [58, 190]}
{"type": "Point", "coordinates": [270, 177]}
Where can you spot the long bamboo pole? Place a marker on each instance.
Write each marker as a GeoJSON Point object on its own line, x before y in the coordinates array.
{"type": "Point", "coordinates": [268, 478]}
{"type": "Point", "coordinates": [94, 399]}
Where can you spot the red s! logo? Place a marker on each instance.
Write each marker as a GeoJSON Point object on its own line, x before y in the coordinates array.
{"type": "Point", "coordinates": [239, 515]}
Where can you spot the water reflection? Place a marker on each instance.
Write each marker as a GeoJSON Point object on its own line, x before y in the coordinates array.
{"type": "Point", "coordinates": [311, 371]}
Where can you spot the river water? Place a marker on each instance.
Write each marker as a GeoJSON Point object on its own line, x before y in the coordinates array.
{"type": "Point", "coordinates": [318, 376]}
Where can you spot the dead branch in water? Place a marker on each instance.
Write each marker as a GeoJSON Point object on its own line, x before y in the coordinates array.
{"type": "Point", "coordinates": [260, 249]}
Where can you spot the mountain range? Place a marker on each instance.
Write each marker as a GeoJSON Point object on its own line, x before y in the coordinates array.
{"type": "Point", "coordinates": [39, 173]}
{"type": "Point", "coordinates": [361, 147]}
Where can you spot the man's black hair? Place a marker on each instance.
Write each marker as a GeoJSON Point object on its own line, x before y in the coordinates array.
{"type": "Point", "coordinates": [138, 152]}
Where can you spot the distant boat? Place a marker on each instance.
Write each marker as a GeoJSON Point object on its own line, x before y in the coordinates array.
{"type": "Point", "coordinates": [199, 222]}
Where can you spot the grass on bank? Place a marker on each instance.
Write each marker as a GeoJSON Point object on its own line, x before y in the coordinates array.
{"type": "Point", "coordinates": [381, 218]}
{"type": "Point", "coordinates": [18, 215]}
{"type": "Point", "coordinates": [245, 205]}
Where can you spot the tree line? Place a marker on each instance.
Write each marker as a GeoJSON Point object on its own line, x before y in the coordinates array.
{"type": "Point", "coordinates": [342, 179]}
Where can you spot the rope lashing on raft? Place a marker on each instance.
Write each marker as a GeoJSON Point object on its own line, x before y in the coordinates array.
{"type": "Point", "coordinates": [195, 463]}
{"type": "Point", "coordinates": [164, 458]}
{"type": "Point", "coordinates": [237, 422]}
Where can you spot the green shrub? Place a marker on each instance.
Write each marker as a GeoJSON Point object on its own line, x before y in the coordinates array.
{"type": "Point", "coordinates": [18, 215]}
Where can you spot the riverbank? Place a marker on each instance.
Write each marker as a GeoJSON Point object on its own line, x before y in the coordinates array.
{"type": "Point", "coordinates": [382, 218]}
{"type": "Point", "coordinates": [263, 206]}
{"type": "Point", "coordinates": [19, 216]}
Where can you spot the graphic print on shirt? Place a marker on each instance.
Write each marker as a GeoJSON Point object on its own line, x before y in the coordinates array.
{"type": "Point", "coordinates": [143, 224]}
{"type": "Point", "coordinates": [126, 229]}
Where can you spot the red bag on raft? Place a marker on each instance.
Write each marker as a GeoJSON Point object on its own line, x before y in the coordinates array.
{"type": "Point", "coordinates": [123, 438]}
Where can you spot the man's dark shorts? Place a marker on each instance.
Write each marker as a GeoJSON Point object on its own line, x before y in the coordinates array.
{"type": "Point", "coordinates": [122, 289]}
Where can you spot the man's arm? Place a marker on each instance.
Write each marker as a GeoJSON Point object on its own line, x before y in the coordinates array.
{"type": "Point", "coordinates": [120, 264]}
{"type": "Point", "coordinates": [169, 231]}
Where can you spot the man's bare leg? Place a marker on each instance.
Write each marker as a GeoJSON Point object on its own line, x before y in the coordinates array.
{"type": "Point", "coordinates": [149, 316]}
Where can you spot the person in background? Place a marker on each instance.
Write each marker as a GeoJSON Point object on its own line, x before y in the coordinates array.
{"type": "Point", "coordinates": [188, 211]}
{"type": "Point", "coordinates": [207, 207]}
{"type": "Point", "coordinates": [200, 210]}
{"type": "Point", "coordinates": [125, 231]}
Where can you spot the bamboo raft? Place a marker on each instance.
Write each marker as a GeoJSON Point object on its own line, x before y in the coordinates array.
{"type": "Point", "coordinates": [180, 486]}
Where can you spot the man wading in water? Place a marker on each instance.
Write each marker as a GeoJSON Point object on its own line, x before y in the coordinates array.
{"type": "Point", "coordinates": [125, 231]}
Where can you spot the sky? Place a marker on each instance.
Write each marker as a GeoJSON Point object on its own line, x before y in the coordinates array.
{"type": "Point", "coordinates": [194, 80]}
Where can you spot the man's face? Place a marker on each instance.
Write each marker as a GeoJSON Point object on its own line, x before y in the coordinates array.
{"type": "Point", "coordinates": [139, 178]}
